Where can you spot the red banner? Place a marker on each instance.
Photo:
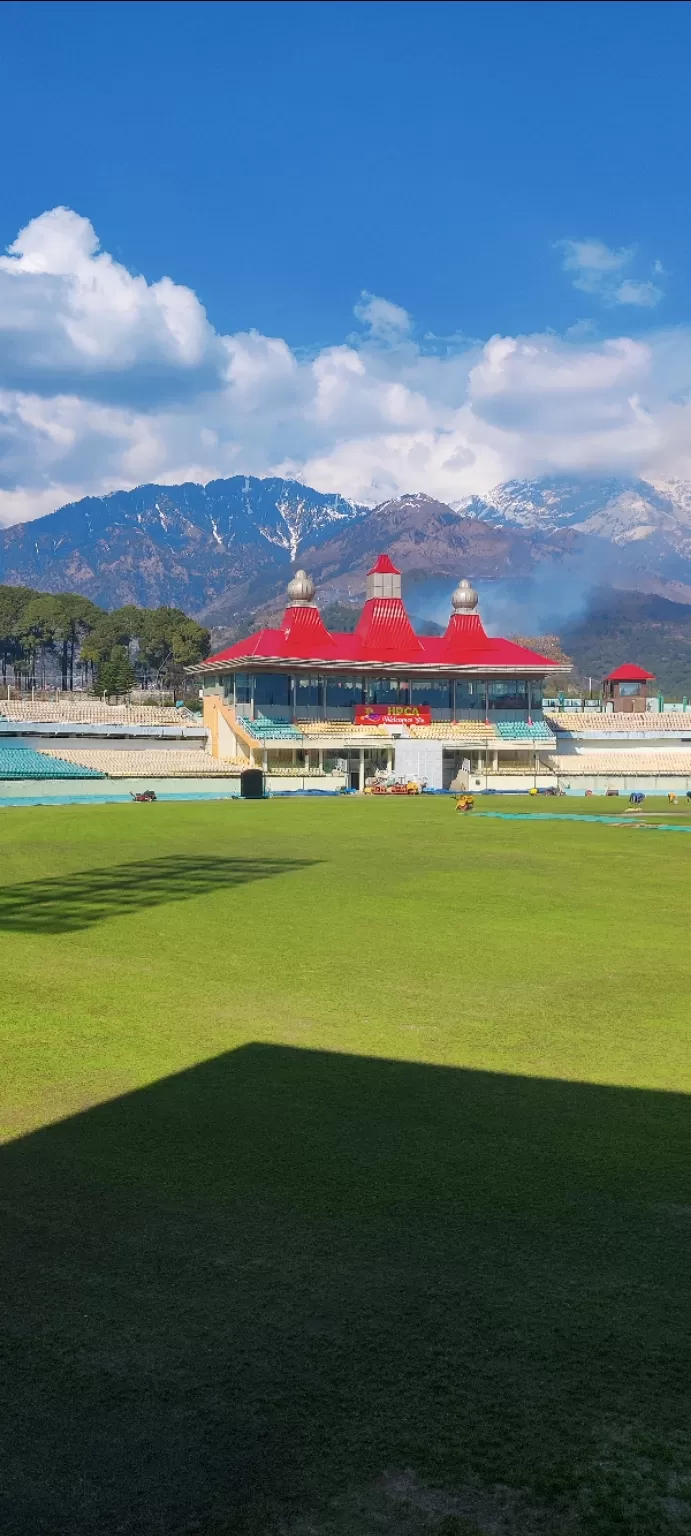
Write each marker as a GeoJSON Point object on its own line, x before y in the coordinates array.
{"type": "Point", "coordinates": [393, 714]}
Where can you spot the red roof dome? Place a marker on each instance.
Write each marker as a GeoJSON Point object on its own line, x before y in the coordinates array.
{"type": "Point", "coordinates": [628, 673]}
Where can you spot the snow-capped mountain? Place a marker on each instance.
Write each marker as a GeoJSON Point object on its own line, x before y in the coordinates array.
{"type": "Point", "coordinates": [228, 547]}
{"type": "Point", "coordinates": [180, 544]}
{"type": "Point", "coordinates": [620, 511]}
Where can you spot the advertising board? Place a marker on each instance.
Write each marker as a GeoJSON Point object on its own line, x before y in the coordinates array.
{"type": "Point", "coordinates": [393, 714]}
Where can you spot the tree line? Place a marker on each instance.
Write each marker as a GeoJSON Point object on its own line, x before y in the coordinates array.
{"type": "Point", "coordinates": [43, 634]}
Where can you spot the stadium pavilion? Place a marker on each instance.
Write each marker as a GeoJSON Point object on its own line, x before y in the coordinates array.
{"type": "Point", "coordinates": [326, 711]}
{"type": "Point", "coordinates": [382, 697]}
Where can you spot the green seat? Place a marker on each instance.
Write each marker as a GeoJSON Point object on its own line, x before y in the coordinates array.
{"type": "Point", "coordinates": [24, 763]}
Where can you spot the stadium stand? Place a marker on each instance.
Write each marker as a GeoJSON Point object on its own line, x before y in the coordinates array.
{"type": "Point", "coordinates": [612, 764]}
{"type": "Point", "coordinates": [291, 771]}
{"type": "Point", "coordinates": [269, 730]}
{"type": "Point", "coordinates": [23, 763]}
{"type": "Point", "coordinates": [340, 728]}
{"type": "Point", "coordinates": [574, 721]}
{"type": "Point", "coordinates": [520, 730]}
{"type": "Point", "coordinates": [143, 765]}
{"type": "Point", "coordinates": [455, 730]}
{"type": "Point", "coordinates": [93, 712]}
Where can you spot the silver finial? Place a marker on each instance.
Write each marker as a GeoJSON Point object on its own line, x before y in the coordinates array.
{"type": "Point", "coordinates": [301, 590]}
{"type": "Point", "coordinates": [464, 599]}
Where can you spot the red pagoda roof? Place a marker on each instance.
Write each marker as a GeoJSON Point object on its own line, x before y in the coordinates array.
{"type": "Point", "coordinates": [305, 633]}
{"type": "Point", "coordinates": [628, 673]}
{"type": "Point", "coordinates": [385, 632]}
{"type": "Point", "coordinates": [293, 644]}
{"type": "Point", "coordinates": [384, 636]}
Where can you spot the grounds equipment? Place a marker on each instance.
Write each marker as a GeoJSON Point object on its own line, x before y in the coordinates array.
{"type": "Point", "coordinates": [252, 784]}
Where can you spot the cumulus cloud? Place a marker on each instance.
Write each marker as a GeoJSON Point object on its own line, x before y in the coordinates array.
{"type": "Point", "coordinates": [108, 381]}
{"type": "Point", "coordinates": [599, 270]}
{"type": "Point", "coordinates": [70, 313]}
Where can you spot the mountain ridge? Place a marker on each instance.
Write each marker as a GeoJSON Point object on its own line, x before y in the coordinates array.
{"type": "Point", "coordinates": [229, 547]}
{"type": "Point", "coordinates": [622, 510]}
{"type": "Point", "coordinates": [180, 544]}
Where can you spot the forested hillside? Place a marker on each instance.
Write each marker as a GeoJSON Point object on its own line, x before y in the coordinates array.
{"type": "Point", "coordinates": [636, 627]}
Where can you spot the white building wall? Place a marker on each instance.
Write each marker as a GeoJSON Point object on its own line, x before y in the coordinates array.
{"type": "Point", "coordinates": [228, 745]}
{"type": "Point", "coordinates": [420, 760]}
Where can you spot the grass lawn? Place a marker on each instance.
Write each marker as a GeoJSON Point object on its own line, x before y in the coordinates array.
{"type": "Point", "coordinates": [345, 1186]}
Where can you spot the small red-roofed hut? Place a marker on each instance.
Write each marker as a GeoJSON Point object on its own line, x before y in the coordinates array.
{"type": "Point", "coordinates": [626, 689]}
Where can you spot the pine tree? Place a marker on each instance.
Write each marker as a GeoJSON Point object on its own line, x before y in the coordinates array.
{"type": "Point", "coordinates": [116, 675]}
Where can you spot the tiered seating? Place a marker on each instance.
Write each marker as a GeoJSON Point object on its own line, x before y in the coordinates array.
{"type": "Point", "coordinates": [611, 764]}
{"type": "Point", "coordinates": [523, 765]}
{"type": "Point", "coordinates": [455, 730]}
{"type": "Point", "coordinates": [520, 730]}
{"type": "Point", "coordinates": [93, 712]}
{"type": "Point", "coordinates": [292, 771]}
{"type": "Point", "coordinates": [23, 763]}
{"type": "Point", "coordinates": [575, 720]}
{"type": "Point", "coordinates": [339, 728]}
{"type": "Point", "coordinates": [269, 730]}
{"type": "Point", "coordinates": [142, 765]}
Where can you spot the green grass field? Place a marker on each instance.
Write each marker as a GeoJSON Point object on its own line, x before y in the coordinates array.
{"type": "Point", "coordinates": [345, 1186]}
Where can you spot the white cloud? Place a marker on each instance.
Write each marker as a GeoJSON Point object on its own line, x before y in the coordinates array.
{"type": "Point", "coordinates": [67, 309]}
{"type": "Point", "coordinates": [593, 262]}
{"type": "Point", "coordinates": [385, 321]}
{"type": "Point", "coordinates": [107, 381]}
{"type": "Point", "coordinates": [645, 294]}
{"type": "Point", "coordinates": [598, 270]}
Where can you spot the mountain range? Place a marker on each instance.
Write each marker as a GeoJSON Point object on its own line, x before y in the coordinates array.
{"type": "Point", "coordinates": [228, 548]}
{"type": "Point", "coordinates": [185, 545]}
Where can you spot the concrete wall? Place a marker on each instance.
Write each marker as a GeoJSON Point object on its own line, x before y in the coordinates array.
{"type": "Point", "coordinates": [509, 783]}
{"type": "Point", "coordinates": [331, 783]}
{"type": "Point", "coordinates": [219, 720]}
{"type": "Point", "coordinates": [651, 784]}
{"type": "Point", "coordinates": [227, 741]}
{"type": "Point", "coordinates": [219, 787]}
{"type": "Point", "coordinates": [47, 790]}
{"type": "Point", "coordinates": [589, 746]}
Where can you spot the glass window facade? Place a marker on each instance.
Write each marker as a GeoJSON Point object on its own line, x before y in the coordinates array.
{"type": "Point", "coordinates": [508, 693]}
{"type": "Point", "coordinates": [271, 688]}
{"type": "Point", "coordinates": [309, 693]}
{"type": "Point", "coordinates": [469, 694]}
{"type": "Point", "coordinates": [343, 692]}
{"type": "Point", "coordinates": [387, 690]}
{"type": "Point", "coordinates": [437, 692]}
{"type": "Point", "coordinates": [313, 693]}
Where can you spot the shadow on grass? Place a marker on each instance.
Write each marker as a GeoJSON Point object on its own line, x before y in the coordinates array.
{"type": "Point", "coordinates": [272, 1276]}
{"type": "Point", "coordinates": [66, 903]}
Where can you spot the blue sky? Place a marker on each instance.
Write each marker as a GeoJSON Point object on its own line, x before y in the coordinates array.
{"type": "Point", "coordinates": [492, 170]}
